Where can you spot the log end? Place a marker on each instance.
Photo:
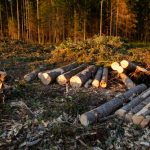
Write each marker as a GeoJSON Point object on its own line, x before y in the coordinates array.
{"type": "Point", "coordinates": [124, 63]}
{"type": "Point", "coordinates": [27, 78]}
{"type": "Point", "coordinates": [84, 120]}
{"type": "Point", "coordinates": [145, 122]}
{"type": "Point", "coordinates": [114, 65]}
{"type": "Point", "coordinates": [120, 69]}
{"type": "Point", "coordinates": [128, 117]}
{"type": "Point", "coordinates": [61, 80]}
{"type": "Point", "coordinates": [76, 82]}
{"type": "Point", "coordinates": [120, 112]}
{"type": "Point", "coordinates": [95, 83]}
{"type": "Point", "coordinates": [45, 78]}
{"type": "Point", "coordinates": [137, 119]}
{"type": "Point", "coordinates": [103, 84]}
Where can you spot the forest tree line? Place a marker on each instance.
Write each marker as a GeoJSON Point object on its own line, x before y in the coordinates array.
{"type": "Point", "coordinates": [53, 21]}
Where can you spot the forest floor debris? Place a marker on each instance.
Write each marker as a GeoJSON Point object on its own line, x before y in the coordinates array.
{"type": "Point", "coordinates": [56, 125]}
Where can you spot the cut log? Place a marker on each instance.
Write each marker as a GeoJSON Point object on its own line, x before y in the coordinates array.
{"type": "Point", "coordinates": [117, 67]}
{"type": "Point", "coordinates": [2, 76]}
{"type": "Point", "coordinates": [32, 75]}
{"type": "Point", "coordinates": [79, 79]}
{"type": "Point", "coordinates": [125, 109]}
{"type": "Point", "coordinates": [97, 77]}
{"type": "Point", "coordinates": [139, 117]}
{"type": "Point", "coordinates": [127, 81]}
{"type": "Point", "coordinates": [64, 78]}
{"type": "Point", "coordinates": [110, 106]}
{"type": "Point", "coordinates": [136, 109]}
{"type": "Point", "coordinates": [104, 79]}
{"type": "Point", "coordinates": [1, 85]}
{"type": "Point", "coordinates": [131, 66]}
{"type": "Point", "coordinates": [49, 76]}
{"type": "Point", "coordinates": [88, 83]}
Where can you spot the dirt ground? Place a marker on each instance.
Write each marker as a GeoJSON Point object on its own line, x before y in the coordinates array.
{"type": "Point", "coordinates": [57, 109]}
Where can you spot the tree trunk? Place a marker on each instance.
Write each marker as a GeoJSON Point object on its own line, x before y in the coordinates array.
{"type": "Point", "coordinates": [127, 81]}
{"type": "Point", "coordinates": [115, 66]}
{"type": "Point", "coordinates": [64, 78]}
{"type": "Point", "coordinates": [38, 23]}
{"type": "Point", "coordinates": [49, 76]}
{"type": "Point", "coordinates": [125, 109]}
{"type": "Point", "coordinates": [110, 106]}
{"type": "Point", "coordinates": [97, 77]}
{"type": "Point", "coordinates": [130, 66]}
{"type": "Point", "coordinates": [101, 17]}
{"type": "Point", "coordinates": [18, 19]}
{"type": "Point", "coordinates": [2, 76]}
{"type": "Point", "coordinates": [88, 83]}
{"type": "Point", "coordinates": [79, 79]}
{"type": "Point", "coordinates": [104, 79]}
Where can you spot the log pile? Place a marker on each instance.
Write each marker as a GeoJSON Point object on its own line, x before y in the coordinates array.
{"type": "Point", "coordinates": [125, 67]}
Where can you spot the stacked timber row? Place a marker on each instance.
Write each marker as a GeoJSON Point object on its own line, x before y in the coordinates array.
{"type": "Point", "coordinates": [126, 66]}
{"type": "Point", "coordinates": [137, 110]}
{"type": "Point", "coordinates": [110, 106]}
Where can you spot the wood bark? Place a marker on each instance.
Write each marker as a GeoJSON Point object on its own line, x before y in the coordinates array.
{"type": "Point", "coordinates": [131, 66]}
{"type": "Point", "coordinates": [64, 78]}
{"type": "Point", "coordinates": [110, 106]}
{"type": "Point", "coordinates": [125, 109]}
{"type": "Point", "coordinates": [79, 79]}
{"type": "Point", "coordinates": [97, 77]}
{"type": "Point", "coordinates": [127, 81]}
{"type": "Point", "coordinates": [115, 66]}
{"type": "Point", "coordinates": [104, 80]}
{"type": "Point", "coordinates": [49, 76]}
{"type": "Point", "coordinates": [88, 83]}
{"type": "Point", "coordinates": [2, 76]}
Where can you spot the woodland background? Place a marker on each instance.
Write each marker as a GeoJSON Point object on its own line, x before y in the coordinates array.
{"type": "Point", "coordinates": [53, 21]}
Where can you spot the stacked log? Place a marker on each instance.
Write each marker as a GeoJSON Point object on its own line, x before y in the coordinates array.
{"type": "Point", "coordinates": [110, 106]}
{"type": "Point", "coordinates": [65, 77]}
{"type": "Point", "coordinates": [88, 83]}
{"type": "Point", "coordinates": [80, 79]}
{"type": "Point", "coordinates": [104, 80]}
{"type": "Point", "coordinates": [97, 78]}
{"type": "Point", "coordinates": [127, 81]}
{"type": "Point", "coordinates": [49, 76]}
{"type": "Point", "coordinates": [116, 66]}
{"type": "Point", "coordinates": [134, 102]}
{"type": "Point", "coordinates": [131, 66]}
{"type": "Point", "coordinates": [32, 75]}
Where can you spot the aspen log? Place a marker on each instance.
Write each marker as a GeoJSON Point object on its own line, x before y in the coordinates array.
{"type": "Point", "coordinates": [141, 115]}
{"type": "Point", "coordinates": [65, 77]}
{"type": "Point", "coordinates": [97, 77]}
{"type": "Point", "coordinates": [110, 106]}
{"type": "Point", "coordinates": [79, 79]}
{"type": "Point", "coordinates": [104, 79]}
{"type": "Point", "coordinates": [127, 81]}
{"type": "Point", "coordinates": [88, 83]}
{"type": "Point", "coordinates": [49, 76]}
{"type": "Point", "coordinates": [125, 109]}
{"type": "Point", "coordinates": [115, 66]}
{"type": "Point", "coordinates": [131, 66]}
{"type": "Point", "coordinates": [2, 76]}
{"type": "Point", "coordinates": [32, 75]}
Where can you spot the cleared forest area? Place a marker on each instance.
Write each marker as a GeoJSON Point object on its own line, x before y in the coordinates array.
{"type": "Point", "coordinates": [47, 116]}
